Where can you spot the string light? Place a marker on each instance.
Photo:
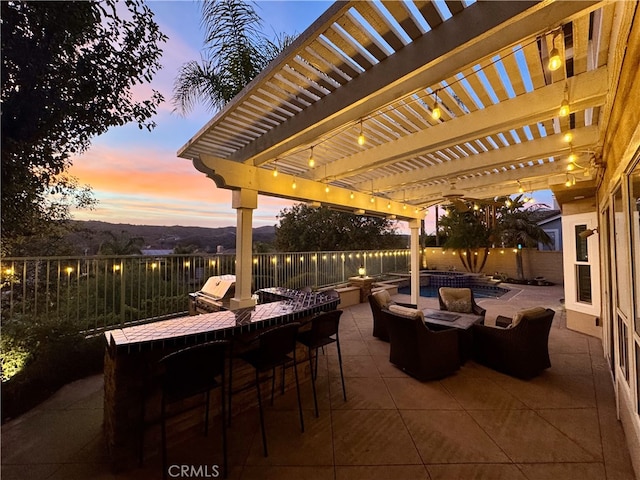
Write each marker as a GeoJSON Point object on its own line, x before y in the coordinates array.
{"type": "Point", "coordinates": [436, 113]}
{"type": "Point", "coordinates": [312, 160]}
{"type": "Point", "coordinates": [555, 61]}
{"type": "Point", "coordinates": [564, 106]}
{"type": "Point", "coordinates": [361, 136]}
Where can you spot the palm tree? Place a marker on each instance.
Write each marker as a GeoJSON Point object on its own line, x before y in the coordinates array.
{"type": "Point", "coordinates": [466, 232]}
{"type": "Point", "coordinates": [235, 52]}
{"type": "Point", "coordinates": [121, 244]}
{"type": "Point", "coordinates": [517, 228]}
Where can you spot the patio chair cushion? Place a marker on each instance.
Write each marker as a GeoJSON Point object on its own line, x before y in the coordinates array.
{"type": "Point", "coordinates": [383, 298]}
{"type": "Point", "coordinates": [406, 311]}
{"type": "Point", "coordinates": [457, 299]}
{"type": "Point", "coordinates": [526, 312]}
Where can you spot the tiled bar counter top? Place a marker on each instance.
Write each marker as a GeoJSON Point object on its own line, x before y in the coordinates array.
{"type": "Point", "coordinates": [132, 353]}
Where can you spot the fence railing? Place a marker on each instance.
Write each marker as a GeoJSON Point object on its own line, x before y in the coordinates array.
{"type": "Point", "coordinates": [99, 292]}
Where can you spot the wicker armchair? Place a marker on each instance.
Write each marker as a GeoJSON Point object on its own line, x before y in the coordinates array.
{"type": "Point", "coordinates": [443, 292]}
{"type": "Point", "coordinates": [422, 353]}
{"type": "Point", "coordinates": [378, 301]}
{"type": "Point", "coordinates": [520, 350]}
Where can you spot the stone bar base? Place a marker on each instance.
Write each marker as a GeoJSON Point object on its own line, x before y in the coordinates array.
{"type": "Point", "coordinates": [132, 377]}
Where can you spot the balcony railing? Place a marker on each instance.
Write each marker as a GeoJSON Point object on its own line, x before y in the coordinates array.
{"type": "Point", "coordinates": [101, 292]}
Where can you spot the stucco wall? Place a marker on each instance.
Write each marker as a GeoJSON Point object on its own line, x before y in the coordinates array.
{"type": "Point", "coordinates": [536, 263]}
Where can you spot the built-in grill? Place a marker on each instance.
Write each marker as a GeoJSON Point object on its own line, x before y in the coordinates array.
{"type": "Point", "coordinates": [214, 296]}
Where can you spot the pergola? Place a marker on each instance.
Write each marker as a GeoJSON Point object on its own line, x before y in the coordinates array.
{"type": "Point", "coordinates": [345, 115]}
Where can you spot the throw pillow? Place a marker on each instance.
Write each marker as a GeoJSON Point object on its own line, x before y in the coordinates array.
{"type": "Point", "coordinates": [383, 298]}
{"type": "Point", "coordinates": [456, 299]}
{"type": "Point", "coordinates": [522, 313]}
{"type": "Point", "coordinates": [406, 311]}
{"type": "Point", "coordinates": [459, 306]}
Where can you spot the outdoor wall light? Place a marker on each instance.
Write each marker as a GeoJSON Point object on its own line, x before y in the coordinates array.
{"type": "Point", "coordinates": [588, 232]}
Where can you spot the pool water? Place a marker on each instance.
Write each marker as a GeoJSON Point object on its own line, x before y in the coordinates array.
{"type": "Point", "coordinates": [488, 291]}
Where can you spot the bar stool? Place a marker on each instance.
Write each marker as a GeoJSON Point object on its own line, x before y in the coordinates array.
{"type": "Point", "coordinates": [189, 372]}
{"type": "Point", "coordinates": [276, 347]}
{"type": "Point", "coordinates": [324, 326]}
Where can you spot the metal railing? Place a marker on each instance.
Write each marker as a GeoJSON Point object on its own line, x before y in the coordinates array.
{"type": "Point", "coordinates": [101, 292]}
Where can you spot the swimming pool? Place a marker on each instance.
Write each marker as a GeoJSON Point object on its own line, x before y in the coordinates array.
{"type": "Point", "coordinates": [479, 291]}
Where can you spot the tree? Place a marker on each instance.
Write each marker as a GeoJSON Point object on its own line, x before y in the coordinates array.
{"type": "Point", "coordinates": [467, 233]}
{"type": "Point", "coordinates": [302, 228]}
{"type": "Point", "coordinates": [68, 69]}
{"type": "Point", "coordinates": [122, 244]}
{"type": "Point", "coordinates": [235, 53]}
{"type": "Point", "coordinates": [517, 228]}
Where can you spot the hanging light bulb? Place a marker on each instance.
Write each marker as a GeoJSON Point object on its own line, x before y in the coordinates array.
{"type": "Point", "coordinates": [373, 199]}
{"type": "Point", "coordinates": [293, 185]}
{"type": "Point", "coordinates": [275, 169]}
{"type": "Point", "coordinates": [508, 202]}
{"type": "Point", "coordinates": [352, 196]}
{"type": "Point", "coordinates": [555, 61]}
{"type": "Point", "coordinates": [564, 108]}
{"type": "Point", "coordinates": [567, 137]}
{"type": "Point", "coordinates": [568, 182]}
{"type": "Point", "coordinates": [572, 157]}
{"type": "Point", "coordinates": [520, 187]}
{"type": "Point", "coordinates": [388, 204]}
{"type": "Point", "coordinates": [326, 188]}
{"type": "Point", "coordinates": [570, 167]}
{"type": "Point", "coordinates": [312, 161]}
{"type": "Point", "coordinates": [436, 113]}
{"type": "Point", "coordinates": [361, 136]}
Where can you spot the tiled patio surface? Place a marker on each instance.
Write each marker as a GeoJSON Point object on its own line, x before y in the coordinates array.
{"type": "Point", "coordinates": [476, 424]}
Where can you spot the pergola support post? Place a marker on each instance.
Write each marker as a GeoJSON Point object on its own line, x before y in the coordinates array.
{"type": "Point", "coordinates": [414, 226]}
{"type": "Point", "coordinates": [245, 201]}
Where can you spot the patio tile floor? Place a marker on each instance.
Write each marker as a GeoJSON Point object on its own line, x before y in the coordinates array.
{"type": "Point", "coordinates": [475, 424]}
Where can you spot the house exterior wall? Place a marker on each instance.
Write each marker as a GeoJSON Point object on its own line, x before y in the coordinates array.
{"type": "Point", "coordinates": [619, 242]}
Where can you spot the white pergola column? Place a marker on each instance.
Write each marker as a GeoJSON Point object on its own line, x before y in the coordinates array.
{"type": "Point", "coordinates": [244, 201]}
{"type": "Point", "coordinates": [414, 226]}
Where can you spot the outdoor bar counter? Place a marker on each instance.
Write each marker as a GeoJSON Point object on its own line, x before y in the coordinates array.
{"type": "Point", "coordinates": [131, 396]}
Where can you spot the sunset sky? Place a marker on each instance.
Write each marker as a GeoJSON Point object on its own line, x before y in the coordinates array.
{"type": "Point", "coordinates": [136, 175]}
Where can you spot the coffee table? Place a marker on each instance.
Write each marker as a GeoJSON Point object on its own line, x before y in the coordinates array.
{"type": "Point", "coordinates": [462, 322]}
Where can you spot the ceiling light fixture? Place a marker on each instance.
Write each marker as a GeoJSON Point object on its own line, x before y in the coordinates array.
{"type": "Point", "coordinates": [567, 137]}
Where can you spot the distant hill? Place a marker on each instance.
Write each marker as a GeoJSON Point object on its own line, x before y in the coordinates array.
{"type": "Point", "coordinates": [90, 234]}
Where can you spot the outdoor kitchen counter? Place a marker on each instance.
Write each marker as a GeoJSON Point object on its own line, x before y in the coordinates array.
{"type": "Point", "coordinates": [131, 355]}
